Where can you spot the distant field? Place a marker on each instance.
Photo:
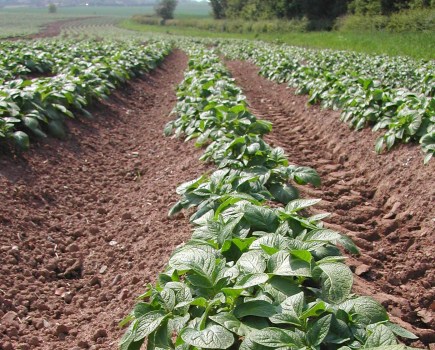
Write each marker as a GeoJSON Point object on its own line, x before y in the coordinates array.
{"type": "Point", "coordinates": [192, 10]}
{"type": "Point", "coordinates": [415, 45]}
{"type": "Point", "coordinates": [20, 21]}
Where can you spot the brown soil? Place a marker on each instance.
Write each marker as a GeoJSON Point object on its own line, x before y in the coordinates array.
{"type": "Point", "coordinates": [83, 222]}
{"type": "Point", "coordinates": [384, 202]}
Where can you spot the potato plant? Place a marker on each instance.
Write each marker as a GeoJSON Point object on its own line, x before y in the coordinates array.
{"type": "Point", "coordinates": [84, 72]}
{"type": "Point", "coordinates": [252, 277]}
{"type": "Point", "coordinates": [392, 93]}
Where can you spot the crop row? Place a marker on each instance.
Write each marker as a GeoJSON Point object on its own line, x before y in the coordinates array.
{"type": "Point", "coordinates": [84, 72]}
{"type": "Point", "coordinates": [392, 93]}
{"type": "Point", "coordinates": [252, 276]}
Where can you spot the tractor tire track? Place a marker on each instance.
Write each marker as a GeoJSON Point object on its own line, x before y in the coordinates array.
{"type": "Point", "coordinates": [385, 203]}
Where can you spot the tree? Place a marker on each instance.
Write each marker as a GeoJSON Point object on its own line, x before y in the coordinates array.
{"type": "Point", "coordinates": [52, 8]}
{"type": "Point", "coordinates": [165, 8]}
{"type": "Point", "coordinates": [219, 7]}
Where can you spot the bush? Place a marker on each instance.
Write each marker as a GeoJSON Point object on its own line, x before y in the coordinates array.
{"type": "Point", "coordinates": [418, 20]}
{"type": "Point", "coordinates": [232, 26]}
{"type": "Point", "coordinates": [165, 9]}
{"type": "Point", "coordinates": [414, 20]}
{"type": "Point", "coordinates": [352, 23]}
{"type": "Point", "coordinates": [52, 8]}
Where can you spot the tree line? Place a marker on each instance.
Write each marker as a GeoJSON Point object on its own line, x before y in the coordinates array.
{"type": "Point", "coordinates": [311, 9]}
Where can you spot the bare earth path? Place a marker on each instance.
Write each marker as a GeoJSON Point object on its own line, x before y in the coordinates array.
{"type": "Point", "coordinates": [83, 222]}
{"type": "Point", "coordinates": [386, 203]}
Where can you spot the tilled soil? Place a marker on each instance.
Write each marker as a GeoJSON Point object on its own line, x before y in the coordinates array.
{"type": "Point", "coordinates": [83, 222]}
{"type": "Point", "coordinates": [385, 203]}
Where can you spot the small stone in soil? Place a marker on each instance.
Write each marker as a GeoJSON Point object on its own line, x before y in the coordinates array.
{"type": "Point", "coordinates": [9, 317]}
{"type": "Point", "coordinates": [95, 280]}
{"type": "Point", "coordinates": [124, 294]}
{"type": "Point", "coordinates": [116, 279]}
{"type": "Point", "coordinates": [362, 269]}
{"type": "Point", "coordinates": [68, 297]}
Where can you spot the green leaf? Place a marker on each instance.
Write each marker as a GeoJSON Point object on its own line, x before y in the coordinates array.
{"type": "Point", "coordinates": [283, 193]}
{"type": "Point", "coordinates": [168, 298]}
{"type": "Point", "coordinates": [319, 330]}
{"type": "Point", "coordinates": [291, 307]}
{"type": "Point", "coordinates": [261, 218]}
{"type": "Point", "coordinates": [327, 235]}
{"type": "Point", "coordinates": [252, 280]}
{"type": "Point", "coordinates": [379, 144]}
{"type": "Point", "coordinates": [284, 264]}
{"type": "Point", "coordinates": [273, 337]}
{"type": "Point", "coordinates": [194, 258]}
{"type": "Point", "coordinates": [252, 262]}
{"type": "Point", "coordinates": [260, 308]}
{"type": "Point", "coordinates": [21, 139]}
{"type": "Point", "coordinates": [300, 204]}
{"type": "Point", "coordinates": [127, 341]}
{"type": "Point", "coordinates": [57, 129]}
{"type": "Point", "coordinates": [337, 283]}
{"type": "Point", "coordinates": [230, 322]}
{"type": "Point", "coordinates": [148, 324]}
{"type": "Point", "coordinates": [294, 304]}
{"type": "Point", "coordinates": [401, 332]}
{"type": "Point", "coordinates": [212, 337]}
{"type": "Point", "coordinates": [367, 310]}
{"type": "Point", "coordinates": [304, 175]}
{"type": "Point", "coordinates": [381, 336]}
{"type": "Point", "coordinates": [314, 311]}
{"type": "Point", "coordinates": [271, 240]}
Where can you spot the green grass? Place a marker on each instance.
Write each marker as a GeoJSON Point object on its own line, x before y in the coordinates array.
{"type": "Point", "coordinates": [416, 45]}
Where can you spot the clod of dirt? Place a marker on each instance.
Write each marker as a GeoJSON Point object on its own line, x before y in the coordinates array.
{"type": "Point", "coordinates": [101, 333]}
{"type": "Point", "coordinates": [94, 230]}
{"type": "Point", "coordinates": [61, 329]}
{"type": "Point", "coordinates": [126, 216]}
{"type": "Point", "coordinates": [6, 345]}
{"type": "Point", "coordinates": [73, 248]}
{"type": "Point", "coordinates": [95, 281]}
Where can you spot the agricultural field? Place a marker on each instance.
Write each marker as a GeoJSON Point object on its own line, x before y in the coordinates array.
{"type": "Point", "coordinates": [186, 193]}
{"type": "Point", "coordinates": [21, 21]}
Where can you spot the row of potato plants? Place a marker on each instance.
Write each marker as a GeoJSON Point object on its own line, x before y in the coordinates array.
{"type": "Point", "coordinates": [19, 59]}
{"type": "Point", "coordinates": [89, 71]}
{"type": "Point", "coordinates": [396, 94]}
{"type": "Point", "coordinates": [258, 273]}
